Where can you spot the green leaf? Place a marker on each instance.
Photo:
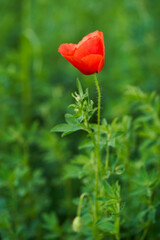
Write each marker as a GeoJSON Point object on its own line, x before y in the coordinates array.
{"type": "Point", "coordinates": [79, 86]}
{"type": "Point", "coordinates": [89, 143]}
{"type": "Point", "coordinates": [105, 225]}
{"type": "Point", "coordinates": [80, 159]}
{"type": "Point", "coordinates": [108, 189]}
{"type": "Point", "coordinates": [135, 93]}
{"type": "Point", "coordinates": [142, 214]}
{"type": "Point", "coordinates": [50, 221]}
{"type": "Point", "coordinates": [70, 119]}
{"type": "Point", "coordinates": [152, 215]}
{"type": "Point", "coordinates": [71, 171]}
{"type": "Point", "coordinates": [95, 128]}
{"type": "Point", "coordinates": [61, 128]}
{"type": "Point", "coordinates": [66, 128]}
{"type": "Point", "coordinates": [112, 142]}
{"type": "Point", "coordinates": [119, 134]}
{"type": "Point", "coordinates": [86, 144]}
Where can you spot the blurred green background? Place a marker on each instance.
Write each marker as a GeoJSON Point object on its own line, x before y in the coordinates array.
{"type": "Point", "coordinates": [35, 90]}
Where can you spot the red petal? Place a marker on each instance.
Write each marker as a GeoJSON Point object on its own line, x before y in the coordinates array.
{"type": "Point", "coordinates": [90, 35]}
{"type": "Point", "coordinates": [102, 38]}
{"type": "Point", "coordinates": [74, 61]}
{"type": "Point", "coordinates": [90, 46]}
{"type": "Point", "coordinates": [101, 65]}
{"type": "Point", "coordinates": [91, 64]}
{"type": "Point", "coordinates": [67, 49]}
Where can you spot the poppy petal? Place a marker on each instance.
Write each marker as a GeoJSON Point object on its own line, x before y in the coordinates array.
{"type": "Point", "coordinates": [67, 49]}
{"type": "Point", "coordinates": [101, 65]}
{"type": "Point", "coordinates": [90, 63]}
{"type": "Point", "coordinates": [102, 38]}
{"type": "Point", "coordinates": [90, 46]}
{"type": "Point", "coordinates": [90, 35]}
{"type": "Point", "coordinates": [74, 61]}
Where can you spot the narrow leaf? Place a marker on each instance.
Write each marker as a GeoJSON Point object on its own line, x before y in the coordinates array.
{"type": "Point", "coordinates": [79, 86]}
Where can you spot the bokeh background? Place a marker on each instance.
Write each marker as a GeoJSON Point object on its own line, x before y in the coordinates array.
{"type": "Point", "coordinates": [35, 90]}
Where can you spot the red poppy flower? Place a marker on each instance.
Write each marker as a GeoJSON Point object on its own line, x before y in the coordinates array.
{"type": "Point", "coordinates": [88, 55]}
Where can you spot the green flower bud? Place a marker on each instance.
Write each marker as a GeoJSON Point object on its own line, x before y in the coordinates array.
{"type": "Point", "coordinates": [77, 224]}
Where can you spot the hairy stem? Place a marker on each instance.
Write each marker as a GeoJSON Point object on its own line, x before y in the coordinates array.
{"type": "Point", "coordinates": [98, 161]}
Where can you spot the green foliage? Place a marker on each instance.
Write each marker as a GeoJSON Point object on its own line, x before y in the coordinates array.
{"type": "Point", "coordinates": [83, 111]}
{"type": "Point", "coordinates": [51, 225]}
{"type": "Point", "coordinates": [125, 165]}
{"type": "Point", "coordinates": [41, 174]}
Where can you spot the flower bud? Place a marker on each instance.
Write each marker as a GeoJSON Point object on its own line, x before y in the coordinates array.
{"type": "Point", "coordinates": [77, 224]}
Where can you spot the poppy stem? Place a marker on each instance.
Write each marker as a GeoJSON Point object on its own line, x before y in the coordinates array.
{"type": "Point", "coordinates": [81, 201]}
{"type": "Point", "coordinates": [98, 162]}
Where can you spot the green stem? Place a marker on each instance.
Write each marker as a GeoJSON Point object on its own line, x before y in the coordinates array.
{"type": "Point", "coordinates": [117, 223]}
{"type": "Point", "coordinates": [81, 201]}
{"type": "Point", "coordinates": [98, 162]}
{"type": "Point", "coordinates": [107, 158]}
{"type": "Point", "coordinates": [99, 113]}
